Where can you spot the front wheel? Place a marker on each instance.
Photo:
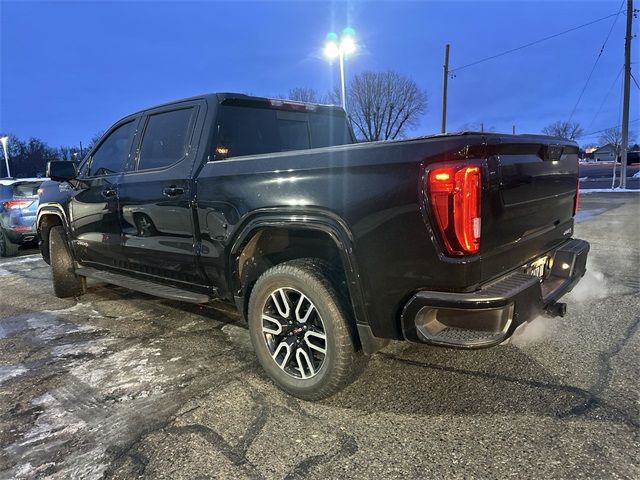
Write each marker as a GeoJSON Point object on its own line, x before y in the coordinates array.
{"type": "Point", "coordinates": [65, 281]}
{"type": "Point", "coordinates": [301, 332]}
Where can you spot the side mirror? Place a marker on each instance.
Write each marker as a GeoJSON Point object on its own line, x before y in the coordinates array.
{"type": "Point", "coordinates": [61, 171]}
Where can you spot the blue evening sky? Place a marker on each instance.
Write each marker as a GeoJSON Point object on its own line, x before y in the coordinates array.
{"type": "Point", "coordinates": [70, 69]}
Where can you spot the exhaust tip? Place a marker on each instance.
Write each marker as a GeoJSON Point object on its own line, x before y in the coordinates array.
{"type": "Point", "coordinates": [556, 309]}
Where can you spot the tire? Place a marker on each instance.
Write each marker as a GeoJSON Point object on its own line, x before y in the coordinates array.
{"type": "Point", "coordinates": [7, 249]}
{"type": "Point", "coordinates": [65, 282]}
{"type": "Point", "coordinates": [311, 375]}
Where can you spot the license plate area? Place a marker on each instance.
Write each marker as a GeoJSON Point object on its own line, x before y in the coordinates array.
{"type": "Point", "coordinates": [538, 268]}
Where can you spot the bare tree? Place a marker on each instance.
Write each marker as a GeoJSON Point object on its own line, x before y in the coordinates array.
{"type": "Point", "coordinates": [28, 158]}
{"type": "Point", "coordinates": [613, 136]}
{"type": "Point", "coordinates": [69, 153]}
{"type": "Point", "coordinates": [95, 139]}
{"type": "Point", "coordinates": [383, 105]}
{"type": "Point", "coordinates": [563, 129]}
{"type": "Point", "coordinates": [303, 94]}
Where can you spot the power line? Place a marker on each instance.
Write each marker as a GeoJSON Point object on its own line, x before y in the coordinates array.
{"type": "Point", "coordinates": [614, 126]}
{"type": "Point", "coordinates": [584, 88]}
{"type": "Point", "coordinates": [532, 43]}
{"type": "Point", "coordinates": [605, 97]}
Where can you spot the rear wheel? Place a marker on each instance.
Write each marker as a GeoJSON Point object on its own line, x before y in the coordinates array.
{"type": "Point", "coordinates": [7, 249]}
{"type": "Point", "coordinates": [65, 282]}
{"type": "Point", "coordinates": [300, 330]}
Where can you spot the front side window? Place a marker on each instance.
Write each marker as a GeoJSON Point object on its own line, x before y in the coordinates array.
{"type": "Point", "coordinates": [112, 154]}
{"type": "Point", "coordinates": [166, 138]}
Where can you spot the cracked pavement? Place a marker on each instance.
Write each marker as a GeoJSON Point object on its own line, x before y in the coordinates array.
{"type": "Point", "coordinates": [122, 385]}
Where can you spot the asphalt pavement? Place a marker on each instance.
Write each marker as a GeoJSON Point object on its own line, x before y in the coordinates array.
{"type": "Point", "coordinates": [600, 176]}
{"type": "Point", "coordinates": [122, 385]}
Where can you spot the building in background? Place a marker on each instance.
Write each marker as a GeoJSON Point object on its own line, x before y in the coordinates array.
{"type": "Point", "coordinates": [606, 153]}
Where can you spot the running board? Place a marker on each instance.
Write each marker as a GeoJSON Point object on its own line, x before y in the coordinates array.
{"type": "Point", "coordinates": [150, 288]}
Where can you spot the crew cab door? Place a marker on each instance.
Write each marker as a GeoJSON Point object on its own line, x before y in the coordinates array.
{"type": "Point", "coordinates": [155, 195]}
{"type": "Point", "coordinates": [94, 219]}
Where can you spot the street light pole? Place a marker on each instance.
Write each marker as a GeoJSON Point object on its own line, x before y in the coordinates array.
{"type": "Point", "coordinates": [343, 90]}
{"type": "Point", "coordinates": [341, 48]}
{"type": "Point", "coordinates": [4, 141]}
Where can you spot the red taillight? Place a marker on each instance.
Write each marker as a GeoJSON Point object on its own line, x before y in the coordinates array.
{"type": "Point", "coordinates": [454, 193]}
{"type": "Point", "coordinates": [576, 202]}
{"type": "Point", "coordinates": [10, 204]}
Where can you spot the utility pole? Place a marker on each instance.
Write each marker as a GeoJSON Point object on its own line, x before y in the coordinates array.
{"type": "Point", "coordinates": [514, 130]}
{"type": "Point", "coordinates": [625, 101]}
{"type": "Point", "coordinates": [445, 81]}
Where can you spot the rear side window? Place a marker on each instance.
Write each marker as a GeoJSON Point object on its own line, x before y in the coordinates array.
{"type": "Point", "coordinates": [113, 152]}
{"type": "Point", "coordinates": [328, 130]}
{"type": "Point", "coordinates": [294, 134]}
{"type": "Point", "coordinates": [253, 130]}
{"type": "Point", "coordinates": [166, 138]}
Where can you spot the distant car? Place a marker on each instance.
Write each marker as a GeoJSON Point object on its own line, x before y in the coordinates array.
{"type": "Point", "coordinates": [18, 207]}
{"type": "Point", "coordinates": [633, 157]}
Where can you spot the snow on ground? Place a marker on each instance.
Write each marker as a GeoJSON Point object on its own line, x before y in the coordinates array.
{"type": "Point", "coordinates": [607, 190]}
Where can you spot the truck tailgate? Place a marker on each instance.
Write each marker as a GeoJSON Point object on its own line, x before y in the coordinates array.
{"type": "Point", "coordinates": [528, 205]}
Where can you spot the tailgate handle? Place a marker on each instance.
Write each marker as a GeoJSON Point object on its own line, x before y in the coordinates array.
{"type": "Point", "coordinates": [173, 191]}
{"type": "Point", "coordinates": [552, 152]}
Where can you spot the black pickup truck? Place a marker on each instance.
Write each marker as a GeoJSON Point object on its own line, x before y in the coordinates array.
{"type": "Point", "coordinates": [328, 248]}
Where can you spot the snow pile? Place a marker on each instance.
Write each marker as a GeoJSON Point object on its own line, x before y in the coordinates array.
{"type": "Point", "coordinates": [10, 371]}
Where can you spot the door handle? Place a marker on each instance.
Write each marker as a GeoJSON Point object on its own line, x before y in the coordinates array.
{"type": "Point", "coordinates": [108, 192]}
{"type": "Point", "coordinates": [173, 191]}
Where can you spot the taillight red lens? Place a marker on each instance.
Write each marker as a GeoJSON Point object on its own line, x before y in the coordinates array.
{"type": "Point", "coordinates": [576, 202]}
{"type": "Point", "coordinates": [454, 195]}
{"type": "Point", "coordinates": [9, 204]}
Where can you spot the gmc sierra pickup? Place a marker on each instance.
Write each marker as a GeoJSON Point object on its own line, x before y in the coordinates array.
{"type": "Point", "coordinates": [328, 248]}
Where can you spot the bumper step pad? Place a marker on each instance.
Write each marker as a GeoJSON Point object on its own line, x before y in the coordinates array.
{"type": "Point", "coordinates": [461, 336]}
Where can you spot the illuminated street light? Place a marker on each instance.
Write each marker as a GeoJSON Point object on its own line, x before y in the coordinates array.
{"type": "Point", "coordinates": [4, 141]}
{"type": "Point", "coordinates": [340, 48]}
